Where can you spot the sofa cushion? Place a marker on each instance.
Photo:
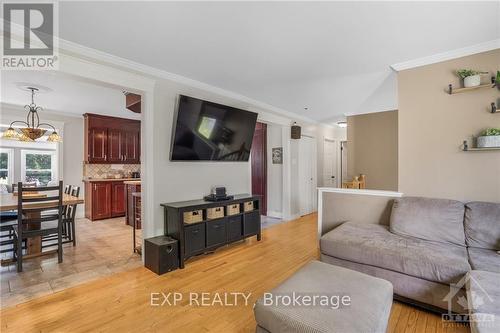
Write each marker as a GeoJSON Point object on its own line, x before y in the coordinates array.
{"type": "Point", "coordinates": [483, 296]}
{"type": "Point", "coordinates": [373, 244]}
{"type": "Point", "coordinates": [482, 225]}
{"type": "Point", "coordinates": [439, 220]}
{"type": "Point", "coordinates": [484, 323]}
{"type": "Point", "coordinates": [484, 260]}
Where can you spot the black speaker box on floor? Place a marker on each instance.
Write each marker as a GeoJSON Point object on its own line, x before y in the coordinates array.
{"type": "Point", "coordinates": [161, 254]}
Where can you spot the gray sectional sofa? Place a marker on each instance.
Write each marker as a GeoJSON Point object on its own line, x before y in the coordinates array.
{"type": "Point", "coordinates": [422, 246]}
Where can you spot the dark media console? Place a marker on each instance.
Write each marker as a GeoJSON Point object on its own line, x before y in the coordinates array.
{"type": "Point", "coordinates": [201, 226]}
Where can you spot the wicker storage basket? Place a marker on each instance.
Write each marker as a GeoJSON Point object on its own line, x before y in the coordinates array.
{"type": "Point", "coordinates": [248, 206]}
{"type": "Point", "coordinates": [215, 213]}
{"type": "Point", "coordinates": [233, 209]}
{"type": "Point", "coordinates": [193, 217]}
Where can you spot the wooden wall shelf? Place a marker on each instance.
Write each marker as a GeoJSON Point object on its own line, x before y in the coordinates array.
{"type": "Point", "coordinates": [452, 91]}
{"type": "Point", "coordinates": [482, 149]}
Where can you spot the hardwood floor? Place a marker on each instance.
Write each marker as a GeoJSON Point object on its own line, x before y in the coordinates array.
{"type": "Point", "coordinates": [121, 302]}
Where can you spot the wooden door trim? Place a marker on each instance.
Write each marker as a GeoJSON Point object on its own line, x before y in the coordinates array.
{"type": "Point", "coordinates": [262, 127]}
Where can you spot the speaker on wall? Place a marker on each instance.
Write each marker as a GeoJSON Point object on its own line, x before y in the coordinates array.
{"type": "Point", "coordinates": [296, 131]}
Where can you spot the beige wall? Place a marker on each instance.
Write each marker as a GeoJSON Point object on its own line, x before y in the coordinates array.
{"type": "Point", "coordinates": [432, 126]}
{"type": "Point", "coordinates": [372, 149]}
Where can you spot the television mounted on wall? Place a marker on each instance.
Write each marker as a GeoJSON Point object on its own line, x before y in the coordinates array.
{"type": "Point", "coordinates": [207, 131]}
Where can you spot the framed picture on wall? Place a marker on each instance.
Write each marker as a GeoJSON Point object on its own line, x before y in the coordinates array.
{"type": "Point", "coordinates": [277, 155]}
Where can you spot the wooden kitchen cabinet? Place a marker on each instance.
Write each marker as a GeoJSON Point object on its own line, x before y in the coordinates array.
{"type": "Point", "coordinates": [131, 146]}
{"type": "Point", "coordinates": [97, 200]}
{"type": "Point", "coordinates": [111, 140]}
{"type": "Point", "coordinates": [115, 143]}
{"type": "Point", "coordinates": [133, 102]}
{"type": "Point", "coordinates": [104, 199]}
{"type": "Point", "coordinates": [118, 201]}
{"type": "Point", "coordinates": [97, 144]}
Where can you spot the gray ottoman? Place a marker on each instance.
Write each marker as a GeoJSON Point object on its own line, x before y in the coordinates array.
{"type": "Point", "coordinates": [315, 300]}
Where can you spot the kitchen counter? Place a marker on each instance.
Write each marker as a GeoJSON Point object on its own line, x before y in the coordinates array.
{"type": "Point", "coordinates": [92, 180]}
{"type": "Point", "coordinates": [132, 182]}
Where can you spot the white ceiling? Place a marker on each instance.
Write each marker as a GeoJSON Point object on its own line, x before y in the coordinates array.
{"type": "Point", "coordinates": [332, 57]}
{"type": "Point", "coordinates": [65, 94]}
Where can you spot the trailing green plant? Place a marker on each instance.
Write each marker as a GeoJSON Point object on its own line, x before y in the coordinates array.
{"type": "Point", "coordinates": [463, 73]}
{"type": "Point", "coordinates": [498, 79]}
{"type": "Point", "coordinates": [491, 132]}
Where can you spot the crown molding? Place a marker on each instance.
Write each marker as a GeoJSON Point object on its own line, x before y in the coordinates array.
{"type": "Point", "coordinates": [78, 50]}
{"type": "Point", "coordinates": [10, 107]}
{"type": "Point", "coordinates": [448, 55]}
{"type": "Point", "coordinates": [360, 113]}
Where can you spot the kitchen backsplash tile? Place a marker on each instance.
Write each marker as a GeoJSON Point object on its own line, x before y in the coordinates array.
{"type": "Point", "coordinates": [107, 170]}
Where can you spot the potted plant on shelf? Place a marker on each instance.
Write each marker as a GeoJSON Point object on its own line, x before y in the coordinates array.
{"type": "Point", "coordinates": [472, 78]}
{"type": "Point", "coordinates": [490, 138]}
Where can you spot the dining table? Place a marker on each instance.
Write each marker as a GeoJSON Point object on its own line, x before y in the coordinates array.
{"type": "Point", "coordinates": [9, 201]}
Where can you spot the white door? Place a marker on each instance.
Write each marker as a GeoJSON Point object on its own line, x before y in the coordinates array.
{"type": "Point", "coordinates": [307, 185]}
{"type": "Point", "coordinates": [330, 163]}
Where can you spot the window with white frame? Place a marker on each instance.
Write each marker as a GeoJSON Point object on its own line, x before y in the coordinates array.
{"type": "Point", "coordinates": [39, 166]}
{"type": "Point", "coordinates": [6, 166]}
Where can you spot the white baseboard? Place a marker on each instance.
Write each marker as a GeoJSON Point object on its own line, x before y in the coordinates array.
{"type": "Point", "coordinates": [277, 215]}
{"type": "Point", "coordinates": [291, 217]}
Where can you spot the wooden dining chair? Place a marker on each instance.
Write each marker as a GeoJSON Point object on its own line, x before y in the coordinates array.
{"type": "Point", "coordinates": [32, 224]}
{"type": "Point", "coordinates": [68, 224]}
{"type": "Point", "coordinates": [67, 190]}
{"type": "Point", "coordinates": [69, 219]}
{"type": "Point", "coordinates": [7, 220]}
{"type": "Point", "coordinates": [26, 184]}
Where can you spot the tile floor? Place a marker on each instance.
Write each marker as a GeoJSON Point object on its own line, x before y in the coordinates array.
{"type": "Point", "coordinates": [103, 247]}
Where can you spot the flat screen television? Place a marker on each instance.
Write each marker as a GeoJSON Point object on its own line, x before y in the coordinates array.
{"type": "Point", "coordinates": [206, 131]}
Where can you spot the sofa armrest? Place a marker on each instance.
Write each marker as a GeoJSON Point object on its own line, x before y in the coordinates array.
{"type": "Point", "coordinates": [339, 205]}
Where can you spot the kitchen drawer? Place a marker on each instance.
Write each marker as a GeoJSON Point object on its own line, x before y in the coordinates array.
{"type": "Point", "coordinates": [194, 236]}
{"type": "Point", "coordinates": [251, 223]}
{"type": "Point", "coordinates": [234, 228]}
{"type": "Point", "coordinates": [216, 232]}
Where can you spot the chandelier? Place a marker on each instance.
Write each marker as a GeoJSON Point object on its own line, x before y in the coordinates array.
{"type": "Point", "coordinates": [32, 131]}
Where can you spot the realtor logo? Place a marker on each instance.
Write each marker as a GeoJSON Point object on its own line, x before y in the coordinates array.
{"type": "Point", "coordinates": [28, 35]}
